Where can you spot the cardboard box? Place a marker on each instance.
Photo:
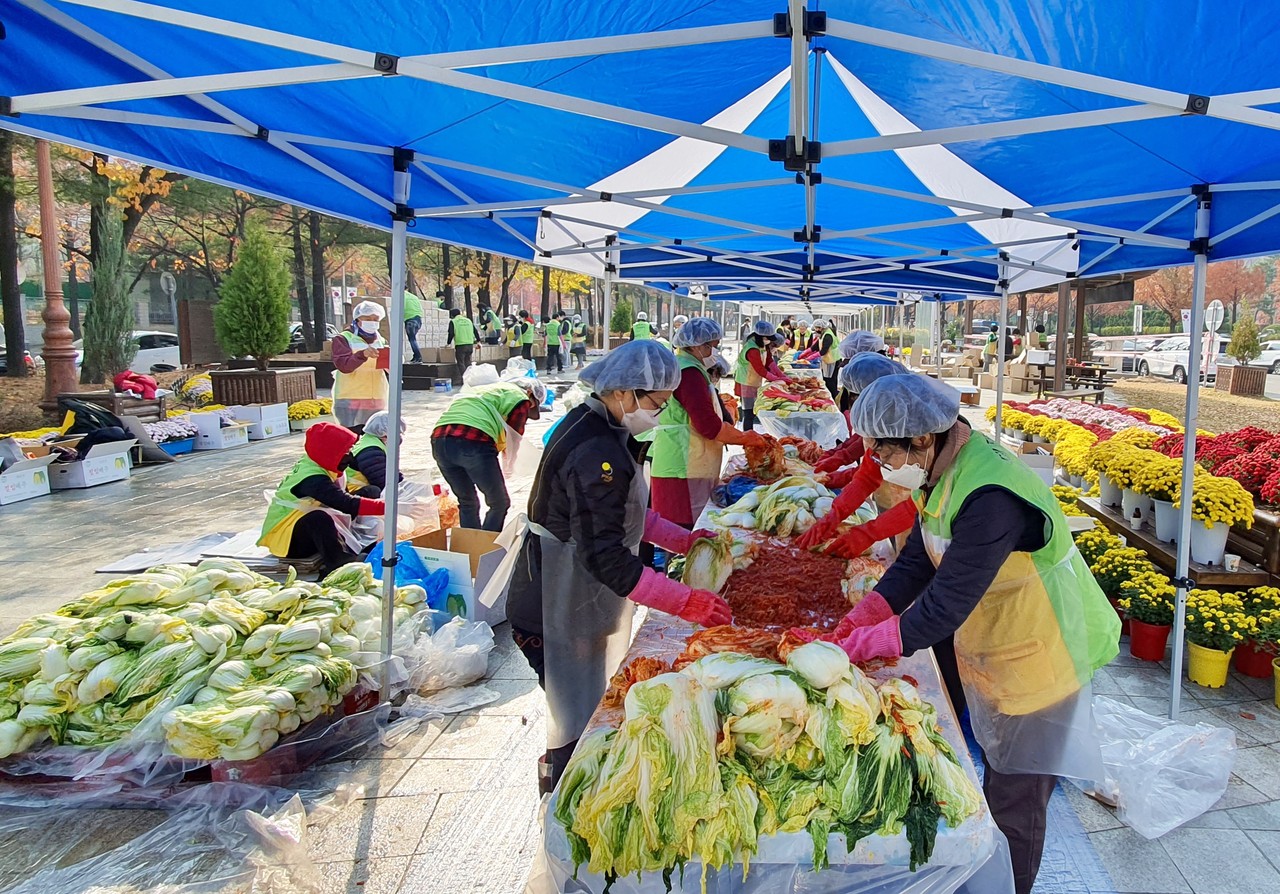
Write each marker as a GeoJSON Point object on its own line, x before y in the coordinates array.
{"type": "Point", "coordinates": [25, 479]}
{"type": "Point", "coordinates": [473, 559]}
{"type": "Point", "coordinates": [446, 355]}
{"type": "Point", "coordinates": [987, 381]}
{"type": "Point", "coordinates": [213, 436]}
{"type": "Point", "coordinates": [1041, 463]}
{"type": "Point", "coordinates": [103, 464]}
{"type": "Point", "coordinates": [265, 420]}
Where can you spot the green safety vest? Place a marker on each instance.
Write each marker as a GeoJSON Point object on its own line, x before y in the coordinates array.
{"type": "Point", "coordinates": [412, 306]}
{"type": "Point", "coordinates": [743, 373]}
{"type": "Point", "coordinates": [491, 321]}
{"type": "Point", "coordinates": [579, 333]}
{"type": "Point", "coordinates": [464, 331]}
{"type": "Point", "coordinates": [526, 336]}
{"type": "Point", "coordinates": [354, 479]}
{"type": "Point", "coordinates": [281, 505]}
{"type": "Point", "coordinates": [678, 451]}
{"type": "Point", "coordinates": [832, 354]}
{"type": "Point", "coordinates": [642, 329]}
{"type": "Point", "coordinates": [1043, 626]}
{"type": "Point", "coordinates": [486, 408]}
{"type": "Point", "coordinates": [553, 332]}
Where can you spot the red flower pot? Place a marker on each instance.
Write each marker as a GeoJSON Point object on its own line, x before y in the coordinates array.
{"type": "Point", "coordinates": [1252, 661]}
{"type": "Point", "coordinates": [1124, 622]}
{"type": "Point", "coordinates": [1148, 641]}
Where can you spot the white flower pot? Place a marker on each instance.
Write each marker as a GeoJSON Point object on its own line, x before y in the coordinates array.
{"type": "Point", "coordinates": [1167, 521]}
{"type": "Point", "coordinates": [1078, 481]}
{"type": "Point", "coordinates": [1208, 544]}
{"type": "Point", "coordinates": [1111, 495]}
{"type": "Point", "coordinates": [1130, 500]}
{"type": "Point", "coordinates": [1036, 439]}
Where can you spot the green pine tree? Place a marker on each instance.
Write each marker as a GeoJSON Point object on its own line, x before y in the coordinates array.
{"type": "Point", "coordinates": [623, 316]}
{"type": "Point", "coordinates": [108, 326]}
{"type": "Point", "coordinates": [252, 317]}
{"type": "Point", "coordinates": [1245, 346]}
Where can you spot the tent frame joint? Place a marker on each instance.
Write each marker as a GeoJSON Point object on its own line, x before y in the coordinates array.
{"type": "Point", "coordinates": [6, 107]}
{"type": "Point", "coordinates": [403, 212]}
{"type": "Point", "coordinates": [807, 235]}
{"type": "Point", "coordinates": [1184, 583]}
{"type": "Point", "coordinates": [791, 157]}
{"type": "Point", "coordinates": [1200, 246]}
{"type": "Point", "coordinates": [1197, 104]}
{"type": "Point", "coordinates": [815, 24]}
{"type": "Point", "coordinates": [386, 63]}
{"type": "Point", "coordinates": [402, 158]}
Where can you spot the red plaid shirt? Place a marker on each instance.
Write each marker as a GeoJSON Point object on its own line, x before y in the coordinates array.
{"type": "Point", "coordinates": [516, 419]}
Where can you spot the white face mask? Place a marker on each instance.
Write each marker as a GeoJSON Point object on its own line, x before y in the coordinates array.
{"type": "Point", "coordinates": [368, 327]}
{"type": "Point", "coordinates": [640, 420]}
{"type": "Point", "coordinates": [711, 359]}
{"type": "Point", "coordinates": [911, 476]}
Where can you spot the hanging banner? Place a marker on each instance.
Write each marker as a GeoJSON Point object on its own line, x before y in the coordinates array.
{"type": "Point", "coordinates": [1186, 319]}
{"type": "Point", "coordinates": [1137, 319]}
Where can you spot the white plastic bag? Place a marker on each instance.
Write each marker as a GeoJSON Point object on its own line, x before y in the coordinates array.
{"type": "Point", "coordinates": [455, 655]}
{"type": "Point", "coordinates": [518, 366]}
{"type": "Point", "coordinates": [1162, 773]}
{"type": "Point", "coordinates": [479, 374]}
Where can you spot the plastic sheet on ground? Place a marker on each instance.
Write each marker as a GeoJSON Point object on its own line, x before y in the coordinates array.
{"type": "Point", "coordinates": [823, 428]}
{"type": "Point", "coordinates": [455, 655]}
{"type": "Point", "coordinates": [215, 838]}
{"type": "Point", "coordinates": [784, 863]}
{"type": "Point", "coordinates": [1161, 773]}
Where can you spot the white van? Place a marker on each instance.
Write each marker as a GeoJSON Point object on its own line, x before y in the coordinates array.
{"type": "Point", "coordinates": [1170, 358]}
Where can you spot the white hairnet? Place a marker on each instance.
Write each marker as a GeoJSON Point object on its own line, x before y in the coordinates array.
{"type": "Point", "coordinates": [644, 365]}
{"type": "Point", "coordinates": [642, 316]}
{"type": "Point", "coordinates": [697, 331]}
{"type": "Point", "coordinates": [368, 309]}
{"type": "Point", "coordinates": [905, 407]}
{"type": "Point", "coordinates": [379, 425]}
{"type": "Point", "coordinates": [679, 319]}
{"type": "Point", "coordinates": [532, 387]}
{"type": "Point", "coordinates": [764, 329]}
{"type": "Point", "coordinates": [819, 324]}
{"type": "Point", "coordinates": [804, 322]}
{"type": "Point", "coordinates": [864, 369]}
{"type": "Point", "coordinates": [577, 318]}
{"type": "Point", "coordinates": [859, 341]}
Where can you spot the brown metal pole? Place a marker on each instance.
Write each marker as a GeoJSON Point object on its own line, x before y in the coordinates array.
{"type": "Point", "coordinates": [1081, 336]}
{"type": "Point", "coordinates": [59, 356]}
{"type": "Point", "coordinates": [1060, 339]}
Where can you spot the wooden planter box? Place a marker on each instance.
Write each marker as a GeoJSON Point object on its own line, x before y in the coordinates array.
{"type": "Point", "coordinates": [1260, 545]}
{"type": "Point", "coordinates": [1246, 381]}
{"type": "Point", "coordinates": [121, 404]}
{"type": "Point", "coordinates": [322, 370]}
{"type": "Point", "coordinates": [272, 386]}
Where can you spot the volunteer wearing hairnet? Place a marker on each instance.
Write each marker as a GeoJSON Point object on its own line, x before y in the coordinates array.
{"type": "Point", "coordinates": [856, 343]}
{"type": "Point", "coordinates": [368, 464]}
{"type": "Point", "coordinates": [826, 348]}
{"type": "Point", "coordinates": [991, 561]}
{"type": "Point", "coordinates": [801, 336]}
{"type": "Point", "coordinates": [479, 425]}
{"type": "Point", "coordinates": [728, 403]}
{"type": "Point", "coordinates": [578, 574]}
{"type": "Point", "coordinates": [688, 449]}
{"type": "Point", "coordinates": [755, 365]}
{"type": "Point", "coordinates": [578, 342]}
{"type": "Point", "coordinates": [359, 385]}
{"type": "Point", "coordinates": [897, 511]}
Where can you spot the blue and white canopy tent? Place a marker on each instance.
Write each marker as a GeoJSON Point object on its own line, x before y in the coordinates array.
{"type": "Point", "coordinates": [968, 146]}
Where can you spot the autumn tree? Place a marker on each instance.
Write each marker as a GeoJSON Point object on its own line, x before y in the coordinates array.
{"type": "Point", "coordinates": [1234, 283]}
{"type": "Point", "coordinates": [1169, 290]}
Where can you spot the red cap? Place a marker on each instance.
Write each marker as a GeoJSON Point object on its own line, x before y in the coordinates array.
{"type": "Point", "coordinates": [327, 443]}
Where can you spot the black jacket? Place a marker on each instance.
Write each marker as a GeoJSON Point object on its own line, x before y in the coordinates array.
{"type": "Point", "coordinates": [580, 493]}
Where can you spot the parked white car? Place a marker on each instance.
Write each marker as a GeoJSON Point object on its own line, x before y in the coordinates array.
{"type": "Point", "coordinates": [1170, 358]}
{"type": "Point", "coordinates": [154, 349]}
{"type": "Point", "coordinates": [1270, 357]}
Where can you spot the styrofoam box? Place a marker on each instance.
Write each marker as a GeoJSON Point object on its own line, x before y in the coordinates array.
{"type": "Point", "coordinates": [213, 436]}
{"type": "Point", "coordinates": [103, 464]}
{"type": "Point", "coordinates": [25, 479]}
{"type": "Point", "coordinates": [265, 420]}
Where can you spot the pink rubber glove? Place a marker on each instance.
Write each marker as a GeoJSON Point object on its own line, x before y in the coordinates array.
{"type": "Point", "coordinates": [882, 640]}
{"type": "Point", "coordinates": [666, 534]}
{"type": "Point", "coordinates": [666, 595]}
{"type": "Point", "coordinates": [870, 611]}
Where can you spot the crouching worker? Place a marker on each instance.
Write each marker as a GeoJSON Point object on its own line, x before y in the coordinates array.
{"type": "Point", "coordinates": [311, 504]}
{"type": "Point", "coordinates": [368, 464]}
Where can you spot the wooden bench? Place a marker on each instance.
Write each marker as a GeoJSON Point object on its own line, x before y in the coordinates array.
{"type": "Point", "coordinates": [1080, 394]}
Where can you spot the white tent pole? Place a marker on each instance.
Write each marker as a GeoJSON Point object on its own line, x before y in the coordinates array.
{"type": "Point", "coordinates": [390, 494]}
{"type": "Point", "coordinates": [902, 317]}
{"type": "Point", "coordinates": [1201, 244]}
{"type": "Point", "coordinates": [607, 287]}
{"type": "Point", "coordinates": [1004, 319]}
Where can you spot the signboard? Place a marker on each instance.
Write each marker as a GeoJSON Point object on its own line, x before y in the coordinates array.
{"type": "Point", "coordinates": [1121, 291]}
{"type": "Point", "coordinates": [1137, 319]}
{"type": "Point", "coordinates": [1186, 319]}
{"type": "Point", "coordinates": [1213, 315]}
{"type": "Point", "coordinates": [351, 293]}
{"type": "Point", "coordinates": [335, 292]}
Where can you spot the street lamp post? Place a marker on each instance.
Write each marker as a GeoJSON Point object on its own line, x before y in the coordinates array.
{"type": "Point", "coordinates": [59, 356]}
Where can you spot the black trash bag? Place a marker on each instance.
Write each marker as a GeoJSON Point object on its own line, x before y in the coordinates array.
{"type": "Point", "coordinates": [89, 417]}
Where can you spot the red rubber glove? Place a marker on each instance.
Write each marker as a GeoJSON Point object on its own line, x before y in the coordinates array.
{"type": "Point", "coordinates": [668, 535]}
{"type": "Point", "coordinates": [888, 524]}
{"type": "Point", "coordinates": [852, 543]}
{"type": "Point", "coordinates": [881, 640]}
{"type": "Point", "coordinates": [820, 533]}
{"type": "Point", "coordinates": [754, 440]}
{"type": "Point", "coordinates": [371, 507]}
{"type": "Point", "coordinates": [660, 592]}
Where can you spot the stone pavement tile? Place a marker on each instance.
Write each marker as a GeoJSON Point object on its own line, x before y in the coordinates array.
{"type": "Point", "coordinates": [373, 828]}
{"type": "Point", "coordinates": [1136, 865]}
{"type": "Point", "coordinates": [1262, 687]}
{"type": "Point", "coordinates": [489, 735]}
{"type": "Point", "coordinates": [1124, 659]}
{"type": "Point", "coordinates": [379, 777]}
{"type": "Point", "coordinates": [513, 667]}
{"type": "Point", "coordinates": [457, 850]}
{"type": "Point", "coordinates": [1211, 819]}
{"type": "Point", "coordinates": [428, 776]}
{"type": "Point", "coordinates": [67, 839]}
{"type": "Point", "coordinates": [1227, 716]}
{"type": "Point", "coordinates": [1263, 726]}
{"type": "Point", "coordinates": [1105, 684]}
{"type": "Point", "coordinates": [1094, 817]}
{"type": "Point", "coordinates": [1149, 682]}
{"type": "Point", "coordinates": [1220, 861]}
{"type": "Point", "coordinates": [1260, 767]}
{"type": "Point", "coordinates": [1269, 843]}
{"type": "Point", "coordinates": [1233, 693]}
{"type": "Point", "coordinates": [414, 744]}
{"type": "Point", "coordinates": [1263, 817]}
{"type": "Point", "coordinates": [1239, 794]}
{"type": "Point", "coordinates": [382, 876]}
{"type": "Point", "coordinates": [522, 697]}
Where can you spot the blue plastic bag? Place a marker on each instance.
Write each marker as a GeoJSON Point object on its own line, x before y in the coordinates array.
{"type": "Point", "coordinates": [411, 570]}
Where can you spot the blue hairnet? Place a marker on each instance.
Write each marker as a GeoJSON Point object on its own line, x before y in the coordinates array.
{"type": "Point", "coordinates": [697, 331]}
{"type": "Point", "coordinates": [379, 425]}
{"type": "Point", "coordinates": [764, 329]}
{"type": "Point", "coordinates": [905, 407]}
{"type": "Point", "coordinates": [860, 341]}
{"type": "Point", "coordinates": [864, 369]}
{"type": "Point", "coordinates": [644, 365]}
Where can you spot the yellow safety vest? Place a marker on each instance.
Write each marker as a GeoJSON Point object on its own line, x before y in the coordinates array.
{"type": "Point", "coordinates": [367, 382]}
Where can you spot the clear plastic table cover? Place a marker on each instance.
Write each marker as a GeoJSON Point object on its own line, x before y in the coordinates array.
{"type": "Point", "coordinates": [822, 427]}
{"type": "Point", "coordinates": [975, 850]}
